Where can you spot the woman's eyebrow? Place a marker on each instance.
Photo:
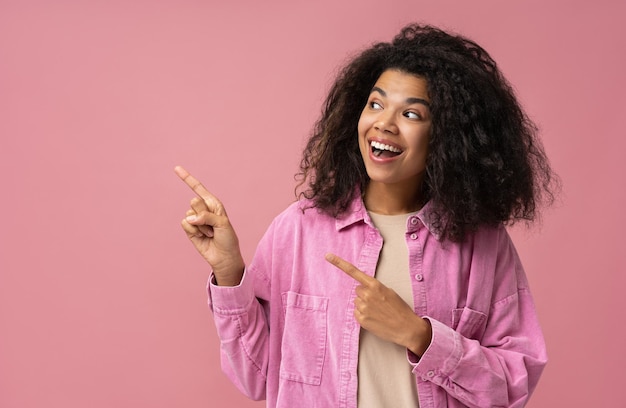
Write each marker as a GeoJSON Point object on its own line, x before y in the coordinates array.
{"type": "Point", "coordinates": [380, 91]}
{"type": "Point", "coordinates": [410, 101]}
{"type": "Point", "coordinates": [418, 100]}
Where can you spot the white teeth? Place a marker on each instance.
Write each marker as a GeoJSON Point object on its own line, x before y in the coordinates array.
{"type": "Point", "coordinates": [381, 146]}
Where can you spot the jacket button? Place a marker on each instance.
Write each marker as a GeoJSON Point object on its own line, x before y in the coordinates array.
{"type": "Point", "coordinates": [419, 277]}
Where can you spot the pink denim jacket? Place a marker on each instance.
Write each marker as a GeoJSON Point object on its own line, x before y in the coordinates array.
{"type": "Point", "coordinates": [288, 333]}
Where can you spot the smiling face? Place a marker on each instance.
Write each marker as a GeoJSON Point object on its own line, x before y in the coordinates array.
{"type": "Point", "coordinates": [394, 130]}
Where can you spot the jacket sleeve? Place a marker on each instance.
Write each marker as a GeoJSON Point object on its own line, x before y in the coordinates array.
{"type": "Point", "coordinates": [501, 367]}
{"type": "Point", "coordinates": [242, 327]}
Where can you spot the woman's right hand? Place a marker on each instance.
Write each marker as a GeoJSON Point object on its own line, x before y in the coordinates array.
{"type": "Point", "coordinates": [209, 229]}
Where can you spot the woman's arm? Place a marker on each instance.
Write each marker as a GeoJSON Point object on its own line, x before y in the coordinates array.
{"type": "Point", "coordinates": [501, 370]}
{"type": "Point", "coordinates": [239, 317]}
{"type": "Point", "coordinates": [496, 352]}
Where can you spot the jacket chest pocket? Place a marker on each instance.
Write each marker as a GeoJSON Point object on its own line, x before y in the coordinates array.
{"type": "Point", "coordinates": [304, 339]}
{"type": "Point", "coordinates": [470, 323]}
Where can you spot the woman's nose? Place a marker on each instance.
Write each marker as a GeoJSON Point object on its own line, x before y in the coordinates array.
{"type": "Point", "coordinates": [386, 124]}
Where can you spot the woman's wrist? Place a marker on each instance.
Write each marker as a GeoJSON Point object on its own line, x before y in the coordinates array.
{"type": "Point", "coordinates": [421, 337]}
{"type": "Point", "coordinates": [229, 276]}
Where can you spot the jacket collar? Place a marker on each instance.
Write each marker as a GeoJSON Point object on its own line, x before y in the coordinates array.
{"type": "Point", "coordinates": [357, 212]}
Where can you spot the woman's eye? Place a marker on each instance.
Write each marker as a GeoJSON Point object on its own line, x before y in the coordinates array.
{"type": "Point", "coordinates": [375, 105]}
{"type": "Point", "coordinates": [412, 115]}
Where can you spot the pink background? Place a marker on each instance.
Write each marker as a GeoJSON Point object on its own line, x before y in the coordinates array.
{"type": "Point", "coordinates": [102, 299]}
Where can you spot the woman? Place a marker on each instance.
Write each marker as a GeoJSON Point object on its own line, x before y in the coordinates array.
{"type": "Point", "coordinates": [420, 158]}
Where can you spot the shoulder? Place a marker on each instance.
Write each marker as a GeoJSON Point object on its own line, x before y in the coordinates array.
{"type": "Point", "coordinates": [493, 242]}
{"type": "Point", "coordinates": [496, 243]}
{"type": "Point", "coordinates": [298, 231]}
{"type": "Point", "coordinates": [491, 237]}
{"type": "Point", "coordinates": [301, 213]}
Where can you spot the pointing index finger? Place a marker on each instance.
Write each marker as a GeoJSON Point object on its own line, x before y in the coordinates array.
{"type": "Point", "coordinates": [349, 269]}
{"type": "Point", "coordinates": [196, 185]}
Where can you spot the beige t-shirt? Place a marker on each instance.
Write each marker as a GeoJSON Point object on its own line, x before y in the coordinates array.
{"type": "Point", "coordinates": [385, 377]}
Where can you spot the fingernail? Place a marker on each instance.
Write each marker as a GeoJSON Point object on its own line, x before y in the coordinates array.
{"type": "Point", "coordinates": [191, 218]}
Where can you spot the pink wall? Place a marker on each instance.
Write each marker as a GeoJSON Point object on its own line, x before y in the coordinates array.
{"type": "Point", "coordinates": [102, 300]}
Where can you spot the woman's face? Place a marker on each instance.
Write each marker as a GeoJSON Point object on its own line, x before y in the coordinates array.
{"type": "Point", "coordinates": [394, 129]}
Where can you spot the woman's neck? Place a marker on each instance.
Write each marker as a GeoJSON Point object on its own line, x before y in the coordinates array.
{"type": "Point", "coordinates": [391, 199]}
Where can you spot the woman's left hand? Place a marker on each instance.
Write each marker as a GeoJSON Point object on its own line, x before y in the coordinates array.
{"type": "Point", "coordinates": [381, 311]}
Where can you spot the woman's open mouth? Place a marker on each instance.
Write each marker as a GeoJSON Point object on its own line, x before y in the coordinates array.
{"type": "Point", "coordinates": [382, 150]}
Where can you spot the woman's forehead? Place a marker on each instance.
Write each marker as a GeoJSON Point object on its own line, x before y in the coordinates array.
{"type": "Point", "coordinates": [401, 83]}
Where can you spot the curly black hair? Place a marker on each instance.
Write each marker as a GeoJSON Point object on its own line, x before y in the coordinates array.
{"type": "Point", "coordinates": [485, 164]}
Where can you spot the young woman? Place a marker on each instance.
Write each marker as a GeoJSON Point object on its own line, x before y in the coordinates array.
{"type": "Point", "coordinates": [392, 281]}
